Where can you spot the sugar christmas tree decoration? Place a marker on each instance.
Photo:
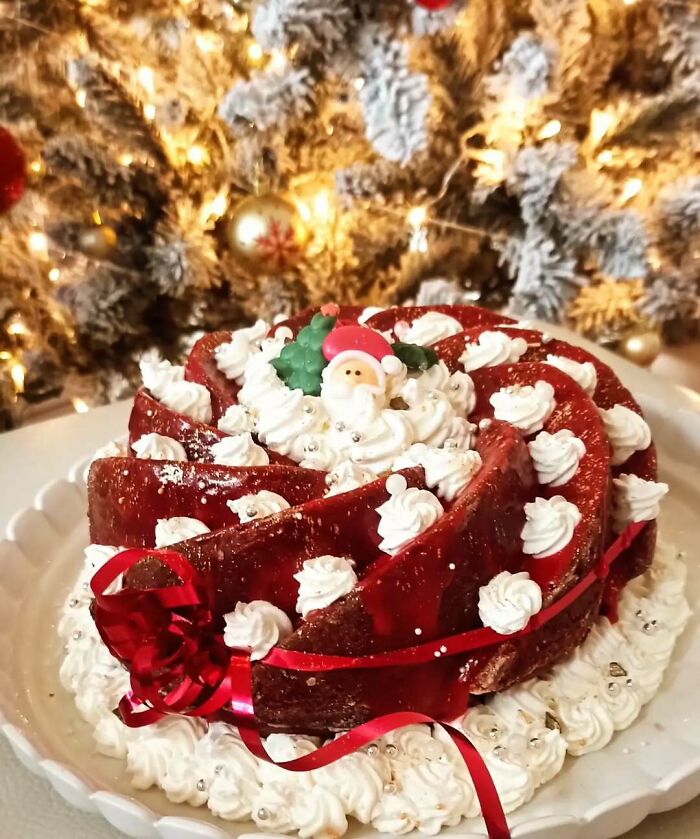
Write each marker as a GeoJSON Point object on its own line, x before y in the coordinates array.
{"type": "Point", "coordinates": [300, 363]}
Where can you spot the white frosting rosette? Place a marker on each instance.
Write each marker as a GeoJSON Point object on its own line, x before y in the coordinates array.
{"type": "Point", "coordinates": [257, 505]}
{"type": "Point", "coordinates": [492, 348]}
{"type": "Point", "coordinates": [549, 525]}
{"type": "Point", "coordinates": [627, 432]}
{"type": "Point", "coordinates": [322, 581]}
{"type": "Point", "coordinates": [427, 329]}
{"type": "Point", "coordinates": [583, 373]}
{"type": "Point", "coordinates": [236, 420]}
{"type": "Point", "coordinates": [448, 470]}
{"type": "Point", "coordinates": [257, 625]}
{"type": "Point", "coordinates": [178, 529]}
{"type": "Point", "coordinates": [556, 456]}
{"type": "Point", "coordinates": [636, 500]}
{"type": "Point", "coordinates": [527, 407]}
{"type": "Point", "coordinates": [508, 601]}
{"type": "Point", "coordinates": [231, 357]}
{"type": "Point", "coordinates": [408, 512]}
{"type": "Point", "coordinates": [239, 450]}
{"type": "Point", "coordinates": [158, 447]}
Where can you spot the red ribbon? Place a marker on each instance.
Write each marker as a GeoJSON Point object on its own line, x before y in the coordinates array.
{"type": "Point", "coordinates": [179, 663]}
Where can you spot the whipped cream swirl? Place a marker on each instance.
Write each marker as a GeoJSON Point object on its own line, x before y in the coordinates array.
{"type": "Point", "coordinates": [627, 432]}
{"type": "Point", "coordinates": [460, 392]}
{"type": "Point", "coordinates": [460, 434]}
{"type": "Point", "coordinates": [556, 456]}
{"type": "Point", "coordinates": [158, 447]}
{"type": "Point", "coordinates": [178, 529]}
{"type": "Point", "coordinates": [231, 357]}
{"type": "Point", "coordinates": [430, 414]}
{"type": "Point", "coordinates": [236, 420]}
{"type": "Point", "coordinates": [508, 601]}
{"type": "Point", "coordinates": [427, 329]}
{"type": "Point", "coordinates": [158, 374]}
{"type": "Point", "coordinates": [407, 513]}
{"type": "Point", "coordinates": [449, 470]}
{"type": "Point", "coordinates": [636, 500]}
{"type": "Point", "coordinates": [239, 450]}
{"type": "Point", "coordinates": [257, 505]}
{"type": "Point", "coordinates": [583, 373]}
{"type": "Point", "coordinates": [492, 348]}
{"type": "Point", "coordinates": [286, 415]}
{"type": "Point", "coordinates": [322, 581]}
{"type": "Point", "coordinates": [375, 449]}
{"type": "Point", "coordinates": [527, 407]}
{"type": "Point", "coordinates": [347, 476]}
{"type": "Point", "coordinates": [167, 383]}
{"type": "Point", "coordinates": [549, 525]}
{"type": "Point", "coordinates": [257, 626]}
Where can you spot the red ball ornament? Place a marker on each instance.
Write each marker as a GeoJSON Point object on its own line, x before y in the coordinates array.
{"type": "Point", "coordinates": [434, 5]}
{"type": "Point", "coordinates": [13, 170]}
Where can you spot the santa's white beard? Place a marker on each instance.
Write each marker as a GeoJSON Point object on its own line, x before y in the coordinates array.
{"type": "Point", "coordinates": [356, 406]}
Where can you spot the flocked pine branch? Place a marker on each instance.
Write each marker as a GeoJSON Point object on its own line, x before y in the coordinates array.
{"type": "Point", "coordinates": [308, 25]}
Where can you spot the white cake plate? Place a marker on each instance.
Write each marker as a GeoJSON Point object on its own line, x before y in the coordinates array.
{"type": "Point", "coordinates": [651, 767]}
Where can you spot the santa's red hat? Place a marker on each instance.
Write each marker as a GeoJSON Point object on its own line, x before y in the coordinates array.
{"type": "Point", "coordinates": [346, 342]}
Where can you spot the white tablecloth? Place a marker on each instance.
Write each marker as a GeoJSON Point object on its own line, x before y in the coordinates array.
{"type": "Point", "coordinates": [29, 808]}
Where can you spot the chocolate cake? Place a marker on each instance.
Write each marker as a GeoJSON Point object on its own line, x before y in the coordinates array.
{"type": "Point", "coordinates": [356, 481]}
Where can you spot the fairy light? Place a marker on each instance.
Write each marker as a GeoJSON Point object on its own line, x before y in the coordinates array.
{"type": "Point", "coordinates": [81, 97]}
{"type": "Point", "coordinates": [126, 159]}
{"type": "Point", "coordinates": [17, 327]}
{"type": "Point", "coordinates": [493, 169]}
{"type": "Point", "coordinates": [605, 158]}
{"type": "Point", "coordinates": [207, 42]}
{"type": "Point", "coordinates": [628, 2]}
{"type": "Point", "coordinates": [550, 129]}
{"type": "Point", "coordinates": [278, 60]}
{"type": "Point", "coordinates": [359, 83]}
{"type": "Point", "coordinates": [601, 123]}
{"type": "Point", "coordinates": [80, 405]}
{"type": "Point", "coordinates": [630, 188]}
{"type": "Point", "coordinates": [197, 155]}
{"type": "Point", "coordinates": [215, 208]}
{"type": "Point", "coordinates": [54, 275]}
{"type": "Point", "coordinates": [149, 111]}
{"type": "Point", "coordinates": [37, 166]}
{"type": "Point", "coordinates": [255, 54]}
{"type": "Point", "coordinates": [146, 78]}
{"type": "Point", "coordinates": [416, 217]}
{"type": "Point", "coordinates": [17, 373]}
{"type": "Point", "coordinates": [37, 243]}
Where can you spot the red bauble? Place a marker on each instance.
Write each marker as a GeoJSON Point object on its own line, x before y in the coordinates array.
{"type": "Point", "coordinates": [13, 170]}
{"type": "Point", "coordinates": [434, 5]}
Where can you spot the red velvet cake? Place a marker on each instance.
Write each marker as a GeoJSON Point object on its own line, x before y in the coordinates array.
{"type": "Point", "coordinates": [351, 482]}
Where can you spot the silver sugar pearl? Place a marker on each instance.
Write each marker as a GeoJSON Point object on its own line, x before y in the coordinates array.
{"type": "Point", "coordinates": [494, 733]}
{"type": "Point", "coordinates": [312, 447]}
{"type": "Point", "coordinates": [390, 788]}
{"type": "Point", "coordinates": [628, 682]}
{"type": "Point", "coordinates": [433, 396]}
{"type": "Point", "coordinates": [535, 743]}
{"type": "Point", "coordinates": [649, 627]}
{"type": "Point", "coordinates": [201, 784]}
{"type": "Point", "coordinates": [340, 426]}
{"type": "Point", "coordinates": [77, 635]}
{"type": "Point", "coordinates": [263, 814]}
{"type": "Point", "coordinates": [484, 423]}
{"type": "Point", "coordinates": [638, 613]}
{"type": "Point", "coordinates": [391, 750]}
{"type": "Point", "coordinates": [308, 409]}
{"type": "Point", "coordinates": [331, 479]}
{"type": "Point", "coordinates": [498, 751]}
{"type": "Point", "coordinates": [251, 512]}
{"type": "Point", "coordinates": [372, 749]}
{"type": "Point", "coordinates": [450, 443]}
{"type": "Point", "coordinates": [613, 688]}
{"type": "Point", "coordinates": [311, 681]}
{"type": "Point", "coordinates": [355, 436]}
{"type": "Point", "coordinates": [455, 385]}
{"type": "Point", "coordinates": [73, 602]}
{"type": "Point", "coordinates": [219, 768]}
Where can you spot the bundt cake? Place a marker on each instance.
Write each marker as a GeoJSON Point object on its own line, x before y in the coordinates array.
{"type": "Point", "coordinates": [354, 481]}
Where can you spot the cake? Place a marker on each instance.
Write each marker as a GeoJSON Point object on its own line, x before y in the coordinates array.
{"type": "Point", "coordinates": [355, 482]}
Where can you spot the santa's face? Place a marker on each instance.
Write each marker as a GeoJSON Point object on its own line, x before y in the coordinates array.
{"type": "Point", "coordinates": [355, 371]}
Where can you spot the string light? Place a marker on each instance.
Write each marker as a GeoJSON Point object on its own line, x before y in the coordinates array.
{"type": "Point", "coordinates": [146, 78]}
{"type": "Point", "coordinates": [207, 42]}
{"type": "Point", "coordinates": [37, 243]}
{"type": "Point", "coordinates": [17, 327]}
{"type": "Point", "coordinates": [601, 123]}
{"type": "Point", "coordinates": [605, 158]}
{"type": "Point", "coordinates": [5, 355]}
{"type": "Point", "coordinates": [17, 373]}
{"type": "Point", "coordinates": [631, 187]}
{"type": "Point", "coordinates": [197, 155]}
{"type": "Point", "coordinates": [126, 159]}
{"type": "Point", "coordinates": [628, 2]}
{"type": "Point", "coordinates": [550, 129]}
{"type": "Point", "coordinates": [416, 216]}
{"type": "Point", "coordinates": [80, 405]}
{"type": "Point", "coordinates": [54, 275]}
{"type": "Point", "coordinates": [255, 54]}
{"type": "Point", "coordinates": [81, 97]}
{"type": "Point", "coordinates": [36, 166]}
{"type": "Point", "coordinates": [214, 209]}
{"type": "Point", "coordinates": [359, 83]}
{"type": "Point", "coordinates": [149, 111]}
{"type": "Point", "coordinates": [278, 60]}
{"type": "Point", "coordinates": [494, 169]}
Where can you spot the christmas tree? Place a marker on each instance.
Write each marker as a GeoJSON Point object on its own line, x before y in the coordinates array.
{"type": "Point", "coordinates": [192, 164]}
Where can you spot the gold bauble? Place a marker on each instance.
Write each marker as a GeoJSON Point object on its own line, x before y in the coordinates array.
{"type": "Point", "coordinates": [97, 242]}
{"type": "Point", "coordinates": [641, 347]}
{"type": "Point", "coordinates": [266, 232]}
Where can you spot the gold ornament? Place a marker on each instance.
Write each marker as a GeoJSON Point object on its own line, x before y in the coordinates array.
{"type": "Point", "coordinates": [266, 232]}
{"type": "Point", "coordinates": [97, 242]}
{"type": "Point", "coordinates": [641, 346]}
{"type": "Point", "coordinates": [606, 309]}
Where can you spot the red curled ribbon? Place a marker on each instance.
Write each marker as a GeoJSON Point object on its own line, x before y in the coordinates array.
{"type": "Point", "coordinates": [179, 663]}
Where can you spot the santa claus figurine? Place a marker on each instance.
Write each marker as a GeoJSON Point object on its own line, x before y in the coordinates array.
{"type": "Point", "coordinates": [357, 355]}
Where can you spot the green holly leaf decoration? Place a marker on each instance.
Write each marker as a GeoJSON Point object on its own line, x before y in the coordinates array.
{"type": "Point", "coordinates": [414, 356]}
{"type": "Point", "coordinates": [301, 363]}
